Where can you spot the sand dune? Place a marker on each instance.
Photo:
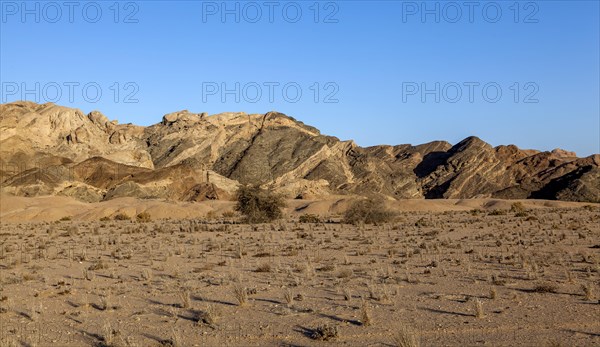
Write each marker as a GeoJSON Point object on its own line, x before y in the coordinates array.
{"type": "Point", "coordinates": [15, 209]}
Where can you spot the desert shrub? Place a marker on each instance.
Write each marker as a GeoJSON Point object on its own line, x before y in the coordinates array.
{"type": "Point", "coordinates": [545, 287]}
{"type": "Point", "coordinates": [422, 223]}
{"type": "Point", "coordinates": [369, 211]}
{"type": "Point", "coordinates": [259, 205]}
{"type": "Point", "coordinates": [497, 213]}
{"type": "Point", "coordinates": [121, 216]}
{"type": "Point", "coordinates": [65, 219]}
{"type": "Point", "coordinates": [264, 267]}
{"type": "Point", "coordinates": [143, 217]}
{"type": "Point", "coordinates": [99, 265]}
{"type": "Point", "coordinates": [498, 281]}
{"type": "Point", "coordinates": [589, 208]}
{"type": "Point", "coordinates": [228, 214]}
{"type": "Point", "coordinates": [518, 209]}
{"type": "Point", "coordinates": [309, 218]}
{"type": "Point", "coordinates": [72, 230]}
{"type": "Point", "coordinates": [325, 332]}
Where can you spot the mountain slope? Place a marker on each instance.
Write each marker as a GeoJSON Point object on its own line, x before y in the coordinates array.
{"type": "Point", "coordinates": [54, 150]}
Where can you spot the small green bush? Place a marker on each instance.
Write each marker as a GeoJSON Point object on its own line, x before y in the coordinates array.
{"type": "Point", "coordinates": [368, 211]}
{"type": "Point", "coordinates": [258, 205]}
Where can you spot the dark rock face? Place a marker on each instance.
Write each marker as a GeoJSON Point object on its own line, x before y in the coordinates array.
{"type": "Point", "coordinates": [49, 149]}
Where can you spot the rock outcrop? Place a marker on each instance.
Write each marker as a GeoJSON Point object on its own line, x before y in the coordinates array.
{"type": "Point", "coordinates": [53, 150]}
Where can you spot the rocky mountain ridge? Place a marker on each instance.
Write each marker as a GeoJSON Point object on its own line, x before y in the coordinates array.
{"type": "Point", "coordinates": [54, 150]}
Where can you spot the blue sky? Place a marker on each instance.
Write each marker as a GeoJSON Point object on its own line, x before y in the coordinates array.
{"type": "Point", "coordinates": [361, 66]}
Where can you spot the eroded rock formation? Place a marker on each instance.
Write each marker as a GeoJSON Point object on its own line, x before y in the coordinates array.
{"type": "Point", "coordinates": [53, 150]}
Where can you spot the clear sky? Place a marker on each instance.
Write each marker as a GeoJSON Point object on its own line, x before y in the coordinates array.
{"type": "Point", "coordinates": [367, 70]}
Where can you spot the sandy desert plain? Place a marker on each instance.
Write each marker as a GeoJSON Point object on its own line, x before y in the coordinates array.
{"type": "Point", "coordinates": [478, 272]}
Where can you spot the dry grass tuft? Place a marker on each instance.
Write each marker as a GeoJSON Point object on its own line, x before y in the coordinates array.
{"type": "Point", "coordinates": [588, 291]}
{"type": "Point", "coordinates": [347, 294]}
{"type": "Point", "coordinates": [478, 308]}
{"type": "Point", "coordinates": [240, 293]}
{"type": "Point", "coordinates": [365, 314]}
{"type": "Point", "coordinates": [184, 298]}
{"type": "Point", "coordinates": [210, 316]}
{"type": "Point", "coordinates": [288, 296]}
{"type": "Point", "coordinates": [406, 337]}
